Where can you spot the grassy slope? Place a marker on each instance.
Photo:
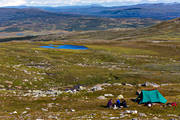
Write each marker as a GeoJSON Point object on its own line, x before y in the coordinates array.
{"type": "Point", "coordinates": [112, 61]}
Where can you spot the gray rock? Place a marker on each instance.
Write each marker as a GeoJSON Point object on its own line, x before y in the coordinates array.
{"type": "Point", "coordinates": [73, 110]}
{"type": "Point", "coordinates": [172, 115]}
{"type": "Point", "coordinates": [155, 118]}
{"type": "Point", "coordinates": [112, 118]}
{"type": "Point", "coordinates": [52, 117]}
{"type": "Point", "coordinates": [147, 84]}
{"type": "Point", "coordinates": [108, 95]}
{"type": "Point", "coordinates": [97, 88]}
{"type": "Point", "coordinates": [142, 115]}
{"type": "Point", "coordinates": [101, 98]}
{"type": "Point", "coordinates": [43, 109]}
{"type": "Point", "coordinates": [130, 85]}
{"type": "Point", "coordinates": [24, 112]}
{"type": "Point", "coordinates": [131, 112]}
{"type": "Point", "coordinates": [164, 84]}
{"type": "Point", "coordinates": [117, 84]}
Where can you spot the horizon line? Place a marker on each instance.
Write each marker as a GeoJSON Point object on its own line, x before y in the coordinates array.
{"type": "Point", "coordinates": [101, 5]}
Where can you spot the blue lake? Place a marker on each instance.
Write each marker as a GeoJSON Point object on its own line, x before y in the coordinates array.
{"type": "Point", "coordinates": [73, 47]}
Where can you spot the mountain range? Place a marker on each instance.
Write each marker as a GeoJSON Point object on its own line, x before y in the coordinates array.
{"type": "Point", "coordinates": [35, 19]}
{"type": "Point", "coordinates": [160, 11]}
{"type": "Point", "coordinates": [83, 18]}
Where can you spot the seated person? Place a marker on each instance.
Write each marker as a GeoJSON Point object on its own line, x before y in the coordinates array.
{"type": "Point", "coordinates": [118, 103]}
{"type": "Point", "coordinates": [124, 104]}
{"type": "Point", "coordinates": [110, 104]}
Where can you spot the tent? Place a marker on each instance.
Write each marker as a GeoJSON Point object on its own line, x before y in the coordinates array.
{"type": "Point", "coordinates": [153, 96]}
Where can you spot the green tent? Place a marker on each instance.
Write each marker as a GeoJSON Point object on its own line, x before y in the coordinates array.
{"type": "Point", "coordinates": [153, 96]}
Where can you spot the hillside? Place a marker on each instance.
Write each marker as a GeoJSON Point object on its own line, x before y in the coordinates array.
{"type": "Point", "coordinates": [159, 11]}
{"type": "Point", "coordinates": [42, 83]}
{"type": "Point", "coordinates": [166, 30]}
{"type": "Point", "coordinates": [33, 19]}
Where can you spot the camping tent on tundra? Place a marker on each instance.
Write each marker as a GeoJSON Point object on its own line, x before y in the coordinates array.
{"type": "Point", "coordinates": [152, 96]}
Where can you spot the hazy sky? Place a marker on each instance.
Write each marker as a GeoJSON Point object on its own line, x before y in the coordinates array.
{"type": "Point", "coordinates": [78, 2]}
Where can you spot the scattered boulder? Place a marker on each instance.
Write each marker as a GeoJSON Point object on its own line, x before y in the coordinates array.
{"type": "Point", "coordinates": [108, 95]}
{"type": "Point", "coordinates": [155, 118]}
{"type": "Point", "coordinates": [45, 110]}
{"type": "Point", "coordinates": [15, 112]}
{"type": "Point", "coordinates": [164, 84]}
{"type": "Point", "coordinates": [117, 84]}
{"type": "Point", "coordinates": [172, 115]}
{"type": "Point", "coordinates": [25, 112]}
{"type": "Point", "coordinates": [131, 111]}
{"type": "Point", "coordinates": [148, 84]}
{"type": "Point", "coordinates": [112, 118]}
{"type": "Point", "coordinates": [97, 88]}
{"type": "Point", "coordinates": [73, 110]}
{"type": "Point", "coordinates": [130, 85]}
{"type": "Point", "coordinates": [52, 117]}
{"type": "Point", "coordinates": [142, 115]}
{"type": "Point", "coordinates": [101, 98]}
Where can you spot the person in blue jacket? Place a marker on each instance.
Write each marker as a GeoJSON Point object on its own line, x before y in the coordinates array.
{"type": "Point", "coordinates": [118, 103]}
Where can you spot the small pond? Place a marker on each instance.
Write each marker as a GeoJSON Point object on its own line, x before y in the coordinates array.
{"type": "Point", "coordinates": [73, 47]}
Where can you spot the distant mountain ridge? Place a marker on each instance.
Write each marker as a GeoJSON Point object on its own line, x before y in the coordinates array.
{"type": "Point", "coordinates": [36, 19]}
{"type": "Point", "coordinates": [160, 11]}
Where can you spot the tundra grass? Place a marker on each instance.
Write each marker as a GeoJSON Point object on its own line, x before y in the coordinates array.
{"type": "Point", "coordinates": [26, 66]}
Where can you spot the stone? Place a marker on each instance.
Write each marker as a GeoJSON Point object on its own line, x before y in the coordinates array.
{"type": "Point", "coordinates": [24, 112]}
{"type": "Point", "coordinates": [108, 95]}
{"type": "Point", "coordinates": [117, 84]}
{"type": "Point", "coordinates": [52, 117]}
{"type": "Point", "coordinates": [130, 85]}
{"type": "Point", "coordinates": [45, 110]}
{"type": "Point", "coordinates": [101, 98]}
{"type": "Point", "coordinates": [106, 84]}
{"type": "Point", "coordinates": [15, 112]}
{"type": "Point", "coordinates": [131, 111]}
{"type": "Point", "coordinates": [155, 118]}
{"type": "Point", "coordinates": [28, 108]}
{"type": "Point", "coordinates": [97, 88]}
{"type": "Point", "coordinates": [147, 84]}
{"type": "Point", "coordinates": [112, 118]}
{"type": "Point", "coordinates": [164, 84]}
{"type": "Point", "coordinates": [172, 115]}
{"type": "Point", "coordinates": [142, 115]}
{"type": "Point", "coordinates": [73, 110]}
